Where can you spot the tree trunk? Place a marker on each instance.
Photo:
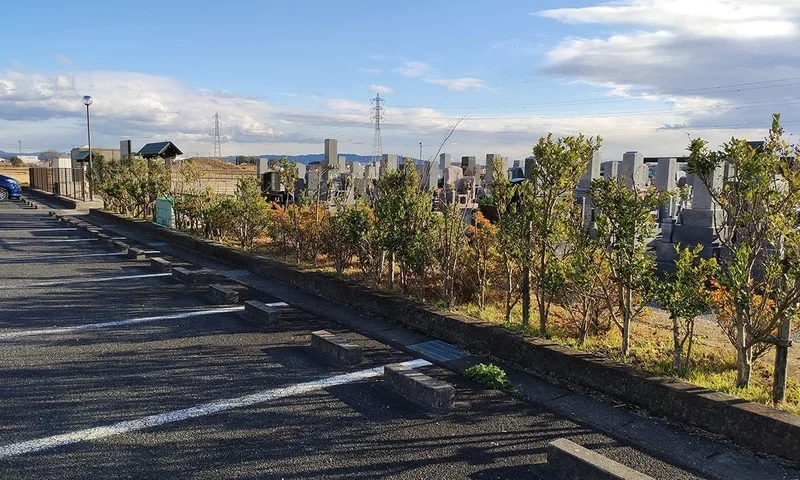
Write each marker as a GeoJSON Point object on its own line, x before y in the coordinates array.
{"type": "Point", "coordinates": [689, 347]}
{"type": "Point", "coordinates": [626, 320]}
{"type": "Point", "coordinates": [541, 296]}
{"type": "Point", "coordinates": [781, 361]}
{"type": "Point", "coordinates": [526, 296]}
{"type": "Point", "coordinates": [744, 357]}
{"type": "Point", "coordinates": [676, 345]}
{"type": "Point", "coordinates": [391, 271]}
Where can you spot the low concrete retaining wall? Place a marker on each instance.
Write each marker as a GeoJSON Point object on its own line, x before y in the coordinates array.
{"type": "Point", "coordinates": [223, 295]}
{"type": "Point", "coordinates": [570, 460]}
{"type": "Point", "coordinates": [421, 389]}
{"type": "Point", "coordinates": [335, 348]}
{"type": "Point", "coordinates": [756, 426]}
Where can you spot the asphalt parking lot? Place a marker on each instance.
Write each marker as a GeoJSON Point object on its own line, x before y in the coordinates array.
{"type": "Point", "coordinates": [110, 370]}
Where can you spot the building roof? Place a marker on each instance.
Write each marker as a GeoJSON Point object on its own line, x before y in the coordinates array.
{"type": "Point", "coordinates": [82, 156]}
{"type": "Point", "coordinates": [160, 149]}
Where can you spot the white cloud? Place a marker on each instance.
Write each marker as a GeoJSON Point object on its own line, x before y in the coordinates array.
{"type": "Point", "coordinates": [716, 62]}
{"type": "Point", "coordinates": [706, 18]}
{"type": "Point", "coordinates": [463, 83]}
{"type": "Point", "coordinates": [381, 89]}
{"type": "Point", "coordinates": [413, 69]}
{"type": "Point", "coordinates": [64, 59]}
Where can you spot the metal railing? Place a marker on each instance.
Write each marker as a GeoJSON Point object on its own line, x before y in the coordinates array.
{"type": "Point", "coordinates": [66, 182]}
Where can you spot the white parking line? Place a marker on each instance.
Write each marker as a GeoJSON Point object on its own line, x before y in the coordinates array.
{"type": "Point", "coordinates": [69, 281]}
{"type": "Point", "coordinates": [48, 240]}
{"type": "Point", "coordinates": [118, 323]}
{"type": "Point", "coordinates": [204, 409]}
{"type": "Point", "coordinates": [60, 257]}
{"type": "Point", "coordinates": [37, 230]}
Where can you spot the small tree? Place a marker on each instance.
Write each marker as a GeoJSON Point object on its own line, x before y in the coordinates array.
{"type": "Point", "coordinates": [684, 294]}
{"type": "Point", "coordinates": [287, 175]}
{"type": "Point", "coordinates": [16, 161]}
{"type": "Point", "coordinates": [251, 212]}
{"type": "Point", "coordinates": [503, 193]}
{"type": "Point", "coordinates": [482, 240]}
{"type": "Point", "coordinates": [347, 226]}
{"type": "Point", "coordinates": [449, 245]}
{"type": "Point", "coordinates": [547, 204]}
{"type": "Point", "coordinates": [758, 292]}
{"type": "Point", "coordinates": [624, 225]}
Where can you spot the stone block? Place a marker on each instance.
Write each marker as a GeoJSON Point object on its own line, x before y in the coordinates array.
{"type": "Point", "coordinates": [335, 348]}
{"type": "Point", "coordinates": [160, 265]}
{"type": "Point", "coordinates": [701, 217]}
{"type": "Point", "coordinates": [691, 235]}
{"type": "Point", "coordinates": [120, 246]}
{"type": "Point", "coordinates": [570, 460]}
{"type": "Point", "coordinates": [260, 314]}
{"type": "Point", "coordinates": [666, 174]}
{"type": "Point", "coordinates": [445, 160]}
{"type": "Point", "coordinates": [633, 169]}
{"type": "Point", "coordinates": [421, 389]}
{"type": "Point", "coordinates": [223, 295]}
{"type": "Point", "coordinates": [610, 170]}
{"type": "Point", "coordinates": [136, 254]}
{"type": "Point", "coordinates": [592, 171]}
{"type": "Point", "coordinates": [469, 166]}
{"type": "Point", "coordinates": [185, 275]}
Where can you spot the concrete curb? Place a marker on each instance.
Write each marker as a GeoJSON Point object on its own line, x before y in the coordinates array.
{"type": "Point", "coordinates": [160, 265]}
{"type": "Point", "coordinates": [572, 461]}
{"type": "Point", "coordinates": [223, 295]}
{"type": "Point", "coordinates": [421, 389]}
{"type": "Point", "coordinates": [335, 348]}
{"type": "Point", "coordinates": [261, 314]}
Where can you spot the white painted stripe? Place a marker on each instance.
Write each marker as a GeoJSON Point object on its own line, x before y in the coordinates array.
{"type": "Point", "coordinates": [69, 281]}
{"type": "Point", "coordinates": [36, 230]}
{"type": "Point", "coordinates": [47, 240]}
{"type": "Point", "coordinates": [57, 257]}
{"type": "Point", "coordinates": [118, 323]}
{"type": "Point", "coordinates": [204, 409]}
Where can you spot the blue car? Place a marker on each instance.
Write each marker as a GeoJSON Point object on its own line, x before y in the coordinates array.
{"type": "Point", "coordinates": [9, 188]}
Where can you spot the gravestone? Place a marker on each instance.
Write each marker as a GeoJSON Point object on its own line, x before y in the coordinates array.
{"type": "Point", "coordinates": [469, 166]}
{"type": "Point", "coordinates": [388, 163]}
{"type": "Point", "coordinates": [445, 160]}
{"type": "Point", "coordinates": [610, 170]}
{"type": "Point", "coordinates": [634, 170]}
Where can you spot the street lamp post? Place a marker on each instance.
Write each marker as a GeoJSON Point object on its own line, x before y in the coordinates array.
{"type": "Point", "coordinates": [87, 100]}
{"type": "Point", "coordinates": [420, 151]}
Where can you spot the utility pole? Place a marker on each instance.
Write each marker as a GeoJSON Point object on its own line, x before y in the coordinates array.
{"type": "Point", "coordinates": [217, 140]}
{"type": "Point", "coordinates": [20, 146]}
{"type": "Point", "coordinates": [377, 116]}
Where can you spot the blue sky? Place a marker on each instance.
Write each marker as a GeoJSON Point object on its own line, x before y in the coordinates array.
{"type": "Point", "coordinates": [284, 75]}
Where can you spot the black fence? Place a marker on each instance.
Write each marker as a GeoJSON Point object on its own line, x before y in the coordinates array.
{"type": "Point", "coordinates": [66, 182]}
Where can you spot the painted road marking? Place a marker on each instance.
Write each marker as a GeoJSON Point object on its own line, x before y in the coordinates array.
{"type": "Point", "coordinates": [36, 230]}
{"type": "Point", "coordinates": [69, 281]}
{"type": "Point", "coordinates": [118, 323]}
{"type": "Point", "coordinates": [201, 410]}
{"type": "Point", "coordinates": [438, 350]}
{"type": "Point", "coordinates": [48, 240]}
{"type": "Point", "coordinates": [59, 257]}
{"type": "Point", "coordinates": [277, 304]}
